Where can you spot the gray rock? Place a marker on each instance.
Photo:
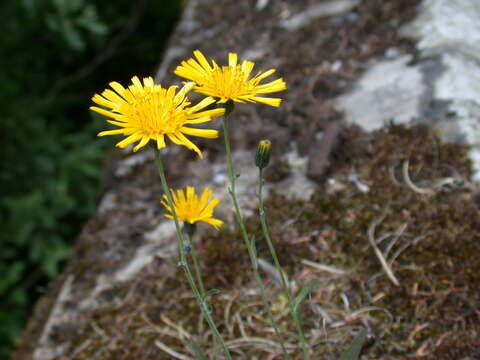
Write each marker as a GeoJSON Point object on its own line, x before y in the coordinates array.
{"type": "Point", "coordinates": [443, 84]}
{"type": "Point", "coordinates": [390, 91]}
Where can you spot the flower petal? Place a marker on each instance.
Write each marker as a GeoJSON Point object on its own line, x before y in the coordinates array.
{"type": "Point", "coordinates": [129, 140]}
{"type": "Point", "coordinates": [205, 133]}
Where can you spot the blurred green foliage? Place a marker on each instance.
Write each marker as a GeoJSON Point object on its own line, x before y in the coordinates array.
{"type": "Point", "coordinates": [55, 55]}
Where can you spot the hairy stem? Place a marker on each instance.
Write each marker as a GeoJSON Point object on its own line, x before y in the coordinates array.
{"type": "Point", "coordinates": [196, 266]}
{"type": "Point", "coordinates": [183, 260]}
{"type": "Point", "coordinates": [238, 215]}
{"type": "Point", "coordinates": [273, 253]}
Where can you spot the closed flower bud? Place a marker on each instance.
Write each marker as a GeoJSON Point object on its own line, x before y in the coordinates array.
{"type": "Point", "coordinates": [262, 156]}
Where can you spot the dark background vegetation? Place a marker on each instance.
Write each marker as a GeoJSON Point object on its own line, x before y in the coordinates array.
{"type": "Point", "coordinates": [55, 55]}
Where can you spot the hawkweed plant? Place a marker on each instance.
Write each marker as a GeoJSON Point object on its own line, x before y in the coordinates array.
{"type": "Point", "coordinates": [230, 84]}
{"type": "Point", "coordinates": [146, 112]}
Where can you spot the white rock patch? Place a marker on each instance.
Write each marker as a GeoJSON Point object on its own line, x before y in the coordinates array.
{"type": "Point", "coordinates": [390, 91]}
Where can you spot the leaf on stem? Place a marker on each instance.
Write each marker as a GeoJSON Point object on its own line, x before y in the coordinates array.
{"type": "Point", "coordinates": [353, 351]}
{"type": "Point", "coordinates": [253, 248]}
{"type": "Point", "coordinates": [211, 292]}
{"type": "Point", "coordinates": [199, 354]}
{"type": "Point", "coordinates": [302, 295]}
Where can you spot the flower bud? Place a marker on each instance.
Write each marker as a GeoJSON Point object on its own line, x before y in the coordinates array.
{"type": "Point", "coordinates": [262, 156]}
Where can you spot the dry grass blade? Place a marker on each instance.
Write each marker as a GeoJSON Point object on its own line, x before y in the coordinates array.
{"type": "Point", "coordinates": [264, 344]}
{"type": "Point", "coordinates": [371, 238]}
{"type": "Point", "coordinates": [322, 267]}
{"type": "Point", "coordinates": [410, 184]}
{"type": "Point", "coordinates": [184, 334]}
{"type": "Point", "coordinates": [396, 236]}
{"type": "Point", "coordinates": [414, 242]}
{"type": "Point", "coordinates": [171, 352]}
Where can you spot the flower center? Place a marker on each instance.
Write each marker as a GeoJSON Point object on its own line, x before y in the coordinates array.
{"type": "Point", "coordinates": [230, 81]}
{"type": "Point", "coordinates": [156, 114]}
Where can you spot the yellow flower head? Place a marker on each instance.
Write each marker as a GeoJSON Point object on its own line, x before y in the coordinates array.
{"type": "Point", "coordinates": [147, 112]}
{"type": "Point", "coordinates": [190, 209]}
{"type": "Point", "coordinates": [230, 82]}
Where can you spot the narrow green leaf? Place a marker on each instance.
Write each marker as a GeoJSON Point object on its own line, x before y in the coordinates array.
{"type": "Point", "coordinates": [211, 292]}
{"type": "Point", "coordinates": [302, 295]}
{"type": "Point", "coordinates": [253, 246]}
{"type": "Point", "coordinates": [199, 354]}
{"type": "Point", "coordinates": [353, 351]}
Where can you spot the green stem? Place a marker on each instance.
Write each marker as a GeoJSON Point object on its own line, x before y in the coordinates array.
{"type": "Point", "coordinates": [286, 291]}
{"type": "Point", "coordinates": [196, 266]}
{"type": "Point", "coordinates": [238, 215]}
{"type": "Point", "coordinates": [183, 259]}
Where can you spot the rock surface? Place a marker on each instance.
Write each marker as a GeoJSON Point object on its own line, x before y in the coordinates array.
{"type": "Point", "coordinates": [442, 83]}
{"type": "Point", "coordinates": [331, 185]}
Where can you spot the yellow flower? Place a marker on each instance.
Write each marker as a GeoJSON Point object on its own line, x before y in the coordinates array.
{"type": "Point", "coordinates": [230, 82]}
{"type": "Point", "coordinates": [190, 209]}
{"type": "Point", "coordinates": [147, 112]}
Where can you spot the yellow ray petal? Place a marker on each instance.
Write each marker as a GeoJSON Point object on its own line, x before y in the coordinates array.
{"type": "Point", "coordinates": [232, 59]}
{"type": "Point", "coordinates": [263, 75]}
{"type": "Point", "coordinates": [205, 133]}
{"type": "Point", "coordinates": [215, 222]}
{"type": "Point", "coordinates": [190, 145]}
{"type": "Point", "coordinates": [111, 132]}
{"type": "Point", "coordinates": [202, 60]}
{"type": "Point", "coordinates": [129, 140]}
{"type": "Point", "coordinates": [161, 141]}
{"type": "Point", "coordinates": [142, 143]}
{"type": "Point", "coordinates": [269, 101]}
{"type": "Point", "coordinates": [104, 112]}
{"type": "Point", "coordinates": [207, 192]}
